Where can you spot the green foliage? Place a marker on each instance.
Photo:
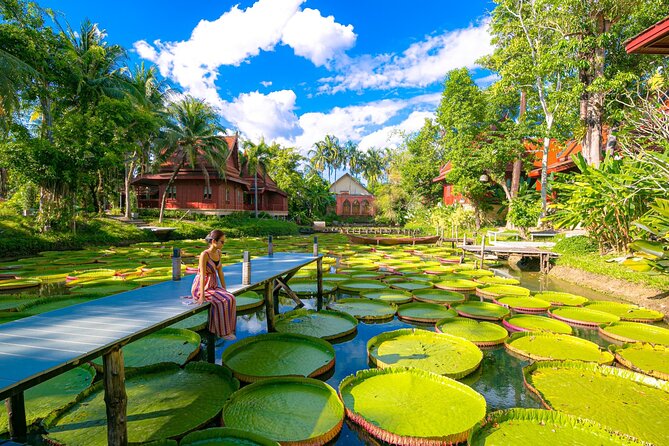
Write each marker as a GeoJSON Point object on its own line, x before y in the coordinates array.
{"type": "Point", "coordinates": [234, 226]}
{"type": "Point", "coordinates": [579, 244]}
{"type": "Point", "coordinates": [525, 209]}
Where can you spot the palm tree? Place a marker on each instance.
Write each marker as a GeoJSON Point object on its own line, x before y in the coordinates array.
{"type": "Point", "coordinates": [356, 159]}
{"type": "Point", "coordinates": [318, 158]}
{"type": "Point", "coordinates": [256, 156]}
{"type": "Point", "coordinates": [329, 154]}
{"type": "Point", "coordinates": [375, 165]}
{"type": "Point", "coordinates": [193, 135]}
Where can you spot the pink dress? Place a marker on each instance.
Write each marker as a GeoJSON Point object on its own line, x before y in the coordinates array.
{"type": "Point", "coordinates": [223, 309]}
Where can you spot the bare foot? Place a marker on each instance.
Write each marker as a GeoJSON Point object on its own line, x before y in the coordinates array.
{"type": "Point", "coordinates": [230, 337]}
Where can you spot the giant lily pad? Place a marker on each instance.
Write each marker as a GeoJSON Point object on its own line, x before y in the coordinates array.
{"type": "Point", "coordinates": [543, 346]}
{"type": "Point", "coordinates": [288, 410]}
{"type": "Point", "coordinates": [248, 300]}
{"type": "Point", "coordinates": [196, 395]}
{"type": "Point", "coordinates": [196, 322]}
{"type": "Point", "coordinates": [411, 285]}
{"type": "Point", "coordinates": [361, 285]}
{"type": "Point", "coordinates": [476, 273]}
{"type": "Point", "coordinates": [225, 436]}
{"type": "Point", "coordinates": [457, 285]}
{"type": "Point", "coordinates": [494, 291]}
{"type": "Point", "coordinates": [497, 280]}
{"type": "Point", "coordinates": [53, 394]}
{"type": "Point", "coordinates": [309, 287]}
{"type": "Point", "coordinates": [439, 353]}
{"type": "Point", "coordinates": [546, 427]}
{"type": "Point", "coordinates": [524, 322]}
{"type": "Point", "coordinates": [582, 316]}
{"type": "Point", "coordinates": [321, 324]}
{"type": "Point", "coordinates": [625, 401]}
{"type": "Point", "coordinates": [529, 305]}
{"type": "Point", "coordinates": [481, 310]}
{"type": "Point", "coordinates": [364, 309]}
{"type": "Point", "coordinates": [389, 296]}
{"type": "Point", "coordinates": [166, 345]}
{"type": "Point", "coordinates": [627, 312]}
{"type": "Point", "coordinates": [104, 287]}
{"type": "Point", "coordinates": [559, 299]}
{"type": "Point", "coordinates": [648, 359]}
{"type": "Point", "coordinates": [635, 332]}
{"type": "Point", "coordinates": [437, 296]}
{"type": "Point", "coordinates": [424, 312]}
{"type": "Point", "coordinates": [16, 284]}
{"type": "Point", "coordinates": [278, 354]}
{"type": "Point", "coordinates": [411, 406]}
{"type": "Point", "coordinates": [483, 334]}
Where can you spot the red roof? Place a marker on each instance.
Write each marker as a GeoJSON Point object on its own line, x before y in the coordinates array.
{"type": "Point", "coordinates": [654, 40]}
{"type": "Point", "coordinates": [443, 172]}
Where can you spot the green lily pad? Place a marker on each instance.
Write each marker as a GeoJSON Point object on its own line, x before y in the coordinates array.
{"type": "Point", "coordinates": [166, 345]}
{"type": "Point", "coordinates": [524, 322]}
{"type": "Point", "coordinates": [483, 334]}
{"type": "Point", "coordinates": [367, 275]}
{"type": "Point", "coordinates": [196, 395]}
{"type": "Point", "coordinates": [389, 295]}
{"type": "Point", "coordinates": [52, 303]}
{"type": "Point", "coordinates": [497, 280]}
{"type": "Point", "coordinates": [288, 410]}
{"type": "Point", "coordinates": [424, 312]}
{"type": "Point", "coordinates": [559, 299]}
{"type": "Point", "coordinates": [225, 436]}
{"type": "Point", "coordinates": [648, 359]}
{"type": "Point", "coordinates": [17, 284]}
{"type": "Point", "coordinates": [457, 285]}
{"type": "Point", "coordinates": [627, 312]}
{"type": "Point", "coordinates": [44, 398]}
{"type": "Point", "coordinates": [481, 310]}
{"type": "Point", "coordinates": [493, 291]}
{"type": "Point", "coordinates": [625, 401]}
{"type": "Point", "coordinates": [411, 285]}
{"type": "Point", "coordinates": [278, 354]}
{"type": "Point", "coordinates": [196, 322]}
{"type": "Point", "coordinates": [309, 287]}
{"type": "Point", "coordinates": [544, 346]}
{"type": "Point", "coordinates": [437, 296]}
{"type": "Point", "coordinates": [248, 300]}
{"type": "Point", "coordinates": [321, 324]}
{"type": "Point", "coordinates": [411, 406]}
{"type": "Point", "coordinates": [336, 277]}
{"type": "Point", "coordinates": [530, 305]}
{"type": "Point", "coordinates": [476, 273]}
{"type": "Point", "coordinates": [105, 287]}
{"type": "Point", "coordinates": [635, 332]}
{"type": "Point", "coordinates": [364, 309]}
{"type": "Point", "coordinates": [438, 353]}
{"type": "Point", "coordinates": [361, 285]}
{"type": "Point", "coordinates": [526, 426]}
{"type": "Point", "coordinates": [582, 316]}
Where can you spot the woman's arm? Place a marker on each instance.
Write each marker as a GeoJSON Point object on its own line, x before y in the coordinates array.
{"type": "Point", "coordinates": [203, 272]}
{"type": "Point", "coordinates": [220, 271]}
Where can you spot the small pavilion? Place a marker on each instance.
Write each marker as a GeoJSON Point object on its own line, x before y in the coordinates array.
{"type": "Point", "coordinates": [352, 198]}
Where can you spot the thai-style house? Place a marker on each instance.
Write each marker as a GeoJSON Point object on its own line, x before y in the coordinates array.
{"type": "Point", "coordinates": [352, 198]}
{"type": "Point", "coordinates": [653, 40]}
{"type": "Point", "coordinates": [232, 192]}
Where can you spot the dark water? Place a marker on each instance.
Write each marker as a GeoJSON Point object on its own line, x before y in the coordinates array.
{"type": "Point", "coordinates": [499, 379]}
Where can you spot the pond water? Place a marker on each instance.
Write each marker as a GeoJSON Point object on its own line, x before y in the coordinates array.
{"type": "Point", "coordinates": [499, 378]}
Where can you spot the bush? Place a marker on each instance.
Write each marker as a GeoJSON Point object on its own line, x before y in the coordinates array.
{"type": "Point", "coordinates": [234, 226]}
{"type": "Point", "coordinates": [579, 244]}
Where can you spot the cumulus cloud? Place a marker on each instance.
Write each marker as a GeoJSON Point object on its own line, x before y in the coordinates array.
{"type": "Point", "coordinates": [266, 83]}
{"type": "Point", "coordinates": [226, 41]}
{"type": "Point", "coordinates": [421, 64]}
{"type": "Point", "coordinates": [259, 115]}
{"type": "Point", "coordinates": [393, 135]}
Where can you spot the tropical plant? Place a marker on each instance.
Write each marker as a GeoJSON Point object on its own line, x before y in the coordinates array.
{"type": "Point", "coordinates": [256, 157]}
{"type": "Point", "coordinates": [525, 209]}
{"type": "Point", "coordinates": [194, 136]}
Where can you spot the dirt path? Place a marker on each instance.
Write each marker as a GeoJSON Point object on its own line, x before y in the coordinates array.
{"type": "Point", "coordinates": [628, 291]}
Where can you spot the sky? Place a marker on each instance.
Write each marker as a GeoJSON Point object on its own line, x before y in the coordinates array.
{"type": "Point", "coordinates": [293, 71]}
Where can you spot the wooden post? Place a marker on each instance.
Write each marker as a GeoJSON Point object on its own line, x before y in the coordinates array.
{"type": "Point", "coordinates": [270, 247]}
{"type": "Point", "coordinates": [319, 280]}
{"type": "Point", "coordinates": [176, 264]}
{"type": "Point", "coordinates": [115, 398]}
{"type": "Point", "coordinates": [482, 250]}
{"type": "Point", "coordinates": [246, 269]}
{"type": "Point", "coordinates": [16, 412]}
{"type": "Point", "coordinates": [211, 347]}
{"type": "Point", "coordinates": [315, 246]}
{"type": "Point", "coordinates": [269, 305]}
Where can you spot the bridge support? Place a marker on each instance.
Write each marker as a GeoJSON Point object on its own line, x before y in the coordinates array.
{"type": "Point", "coordinates": [115, 398]}
{"type": "Point", "coordinates": [16, 411]}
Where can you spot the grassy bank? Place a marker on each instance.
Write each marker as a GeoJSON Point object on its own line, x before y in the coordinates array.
{"type": "Point", "coordinates": [232, 226]}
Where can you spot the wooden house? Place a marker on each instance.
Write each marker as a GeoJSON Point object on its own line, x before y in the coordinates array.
{"type": "Point", "coordinates": [232, 192]}
{"type": "Point", "coordinates": [653, 40]}
{"type": "Point", "coordinates": [352, 198]}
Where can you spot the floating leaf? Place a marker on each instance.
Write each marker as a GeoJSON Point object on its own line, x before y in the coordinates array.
{"type": "Point", "coordinates": [364, 309]}
{"type": "Point", "coordinates": [554, 346]}
{"type": "Point", "coordinates": [424, 312]}
{"type": "Point", "coordinates": [524, 322]}
{"type": "Point", "coordinates": [321, 324]}
{"type": "Point", "coordinates": [635, 332]}
{"type": "Point", "coordinates": [483, 334]}
{"type": "Point", "coordinates": [481, 310]}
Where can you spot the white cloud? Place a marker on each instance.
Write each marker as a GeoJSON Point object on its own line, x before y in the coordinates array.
{"type": "Point", "coordinates": [266, 83]}
{"type": "Point", "coordinates": [421, 64]}
{"type": "Point", "coordinates": [238, 35]}
{"type": "Point", "coordinates": [393, 135]}
{"type": "Point", "coordinates": [317, 38]}
{"type": "Point", "coordinates": [488, 80]}
{"type": "Point", "coordinates": [258, 115]}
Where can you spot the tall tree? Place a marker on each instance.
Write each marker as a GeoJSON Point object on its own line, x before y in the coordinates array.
{"type": "Point", "coordinates": [327, 153]}
{"type": "Point", "coordinates": [256, 157]}
{"type": "Point", "coordinates": [192, 135]}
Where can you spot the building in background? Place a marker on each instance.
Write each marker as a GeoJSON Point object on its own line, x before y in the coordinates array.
{"type": "Point", "coordinates": [352, 198]}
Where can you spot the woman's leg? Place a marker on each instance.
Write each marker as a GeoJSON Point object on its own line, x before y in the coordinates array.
{"type": "Point", "coordinates": [222, 314]}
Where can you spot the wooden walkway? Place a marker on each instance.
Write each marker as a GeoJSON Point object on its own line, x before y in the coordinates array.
{"type": "Point", "coordinates": [525, 251]}
{"type": "Point", "coordinates": [40, 347]}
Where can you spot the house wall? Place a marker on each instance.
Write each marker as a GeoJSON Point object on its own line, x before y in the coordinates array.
{"type": "Point", "coordinates": [346, 184]}
{"type": "Point", "coordinates": [342, 209]}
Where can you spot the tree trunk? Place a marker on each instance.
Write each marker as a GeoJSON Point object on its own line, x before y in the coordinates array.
{"type": "Point", "coordinates": [129, 168]}
{"type": "Point", "coordinates": [3, 182]}
{"type": "Point", "coordinates": [255, 191]}
{"type": "Point", "coordinates": [544, 175]}
{"type": "Point", "coordinates": [518, 163]}
{"type": "Point", "coordinates": [169, 183]}
{"type": "Point", "coordinates": [94, 196]}
{"type": "Point", "coordinates": [99, 193]}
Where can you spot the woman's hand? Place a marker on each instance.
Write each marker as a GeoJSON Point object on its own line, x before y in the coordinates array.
{"type": "Point", "coordinates": [199, 301]}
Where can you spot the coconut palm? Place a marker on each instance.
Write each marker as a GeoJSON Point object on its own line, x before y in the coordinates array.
{"type": "Point", "coordinates": [193, 135]}
{"type": "Point", "coordinates": [375, 165]}
{"type": "Point", "coordinates": [356, 159]}
{"type": "Point", "coordinates": [328, 154]}
{"type": "Point", "coordinates": [256, 156]}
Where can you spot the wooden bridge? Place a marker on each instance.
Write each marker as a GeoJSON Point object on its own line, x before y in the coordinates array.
{"type": "Point", "coordinates": [37, 348]}
{"type": "Point", "coordinates": [544, 256]}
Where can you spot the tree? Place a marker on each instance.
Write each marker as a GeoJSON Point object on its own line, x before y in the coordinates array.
{"type": "Point", "coordinates": [192, 135]}
{"type": "Point", "coordinates": [256, 156]}
{"type": "Point", "coordinates": [327, 153]}
{"type": "Point", "coordinates": [375, 165]}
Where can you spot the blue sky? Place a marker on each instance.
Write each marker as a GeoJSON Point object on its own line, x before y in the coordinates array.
{"type": "Point", "coordinates": [293, 71]}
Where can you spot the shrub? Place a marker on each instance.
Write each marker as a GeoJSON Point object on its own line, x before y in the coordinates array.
{"type": "Point", "coordinates": [579, 244]}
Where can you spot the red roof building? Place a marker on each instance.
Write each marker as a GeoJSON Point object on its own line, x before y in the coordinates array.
{"type": "Point", "coordinates": [352, 198]}
{"type": "Point", "coordinates": [450, 198]}
{"type": "Point", "coordinates": [233, 192]}
{"type": "Point", "coordinates": [654, 40]}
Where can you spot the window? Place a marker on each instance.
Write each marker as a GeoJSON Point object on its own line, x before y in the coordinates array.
{"type": "Point", "coordinates": [172, 191]}
{"type": "Point", "coordinates": [356, 207]}
{"type": "Point", "coordinates": [239, 196]}
{"type": "Point", "coordinates": [346, 207]}
{"type": "Point", "coordinates": [227, 195]}
{"type": "Point", "coordinates": [207, 192]}
{"type": "Point", "coordinates": [365, 207]}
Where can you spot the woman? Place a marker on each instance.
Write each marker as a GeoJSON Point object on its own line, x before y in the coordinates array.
{"type": "Point", "coordinates": [223, 310]}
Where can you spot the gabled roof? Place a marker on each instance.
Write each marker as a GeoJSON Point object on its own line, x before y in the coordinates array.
{"type": "Point", "coordinates": [653, 40]}
{"type": "Point", "coordinates": [344, 178]}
